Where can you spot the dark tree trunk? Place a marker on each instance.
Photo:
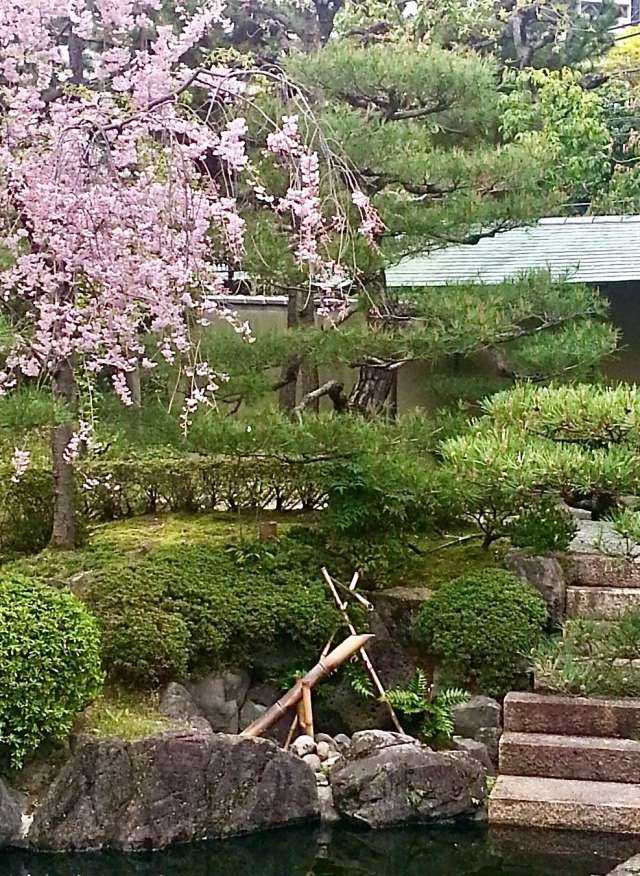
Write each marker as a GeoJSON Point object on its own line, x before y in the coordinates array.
{"type": "Point", "coordinates": [63, 534]}
{"type": "Point", "coordinates": [300, 313]}
{"type": "Point", "coordinates": [291, 368]}
{"type": "Point", "coordinates": [373, 389]}
{"type": "Point", "coordinates": [308, 369]}
{"type": "Point", "coordinates": [376, 389]}
{"type": "Point", "coordinates": [76, 59]}
{"type": "Point", "coordinates": [134, 386]}
{"type": "Point", "coordinates": [326, 11]}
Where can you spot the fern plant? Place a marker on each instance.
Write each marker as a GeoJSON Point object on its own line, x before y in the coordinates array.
{"type": "Point", "coordinates": [432, 714]}
{"type": "Point", "coordinates": [359, 680]}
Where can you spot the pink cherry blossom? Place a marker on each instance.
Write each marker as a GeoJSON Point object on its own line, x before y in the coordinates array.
{"type": "Point", "coordinates": [115, 225]}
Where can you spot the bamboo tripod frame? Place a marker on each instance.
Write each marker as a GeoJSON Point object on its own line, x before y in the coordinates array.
{"type": "Point", "coordinates": [366, 660]}
{"type": "Point", "coordinates": [299, 698]}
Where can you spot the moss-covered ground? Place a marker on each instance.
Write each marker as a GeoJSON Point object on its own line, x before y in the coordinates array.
{"type": "Point", "coordinates": [110, 544]}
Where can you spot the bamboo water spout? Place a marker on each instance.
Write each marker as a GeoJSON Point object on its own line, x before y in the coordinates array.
{"type": "Point", "coordinates": [324, 667]}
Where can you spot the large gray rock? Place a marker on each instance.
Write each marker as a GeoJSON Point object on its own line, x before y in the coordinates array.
{"type": "Point", "coordinates": [546, 575]}
{"type": "Point", "coordinates": [219, 699]}
{"type": "Point", "coordinates": [250, 712]}
{"type": "Point", "coordinates": [477, 712]}
{"type": "Point", "coordinates": [10, 817]}
{"type": "Point", "coordinates": [477, 750]}
{"type": "Point", "coordinates": [178, 787]}
{"type": "Point", "coordinates": [629, 868]}
{"type": "Point", "coordinates": [177, 703]}
{"type": "Point", "coordinates": [398, 607]}
{"type": "Point", "coordinates": [490, 738]}
{"type": "Point", "coordinates": [387, 779]}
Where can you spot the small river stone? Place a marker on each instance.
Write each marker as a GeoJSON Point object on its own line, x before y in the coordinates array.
{"type": "Point", "coordinates": [342, 742]}
{"type": "Point", "coordinates": [303, 745]}
{"type": "Point", "coordinates": [313, 761]}
{"type": "Point", "coordinates": [323, 750]}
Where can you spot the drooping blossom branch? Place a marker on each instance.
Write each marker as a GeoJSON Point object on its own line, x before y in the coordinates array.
{"type": "Point", "coordinates": [114, 225]}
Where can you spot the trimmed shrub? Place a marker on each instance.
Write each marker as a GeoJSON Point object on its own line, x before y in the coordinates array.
{"type": "Point", "coordinates": [483, 626]}
{"type": "Point", "coordinates": [49, 664]}
{"type": "Point", "coordinates": [195, 608]}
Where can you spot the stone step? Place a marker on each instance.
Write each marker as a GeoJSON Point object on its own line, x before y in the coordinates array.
{"type": "Point", "coordinates": [571, 716]}
{"type": "Point", "coordinates": [565, 804]}
{"type": "Point", "coordinates": [592, 758]}
{"type": "Point", "coordinates": [601, 603]}
{"type": "Point", "coordinates": [599, 570]}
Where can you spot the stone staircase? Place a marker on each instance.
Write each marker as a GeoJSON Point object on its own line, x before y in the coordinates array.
{"type": "Point", "coordinates": [601, 587]}
{"type": "Point", "coordinates": [569, 763]}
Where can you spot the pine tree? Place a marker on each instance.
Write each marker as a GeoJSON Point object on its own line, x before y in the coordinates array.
{"type": "Point", "coordinates": [420, 127]}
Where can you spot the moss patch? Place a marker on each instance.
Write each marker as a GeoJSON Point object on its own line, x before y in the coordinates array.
{"type": "Point", "coordinates": [121, 541]}
{"type": "Point", "coordinates": [124, 713]}
{"type": "Point", "coordinates": [437, 565]}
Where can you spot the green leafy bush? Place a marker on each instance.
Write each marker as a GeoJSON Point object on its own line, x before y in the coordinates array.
{"type": "Point", "coordinates": [26, 515]}
{"type": "Point", "coordinates": [591, 658]}
{"type": "Point", "coordinates": [49, 664]}
{"type": "Point", "coordinates": [194, 608]}
{"type": "Point", "coordinates": [543, 528]}
{"type": "Point", "coordinates": [483, 626]}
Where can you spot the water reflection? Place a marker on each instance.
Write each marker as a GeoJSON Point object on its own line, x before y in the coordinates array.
{"type": "Point", "coordinates": [415, 851]}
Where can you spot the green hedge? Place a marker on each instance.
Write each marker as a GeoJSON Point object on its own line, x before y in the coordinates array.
{"type": "Point", "coordinates": [49, 664]}
{"type": "Point", "coordinates": [118, 488]}
{"type": "Point", "coordinates": [114, 489]}
{"type": "Point", "coordinates": [196, 608]}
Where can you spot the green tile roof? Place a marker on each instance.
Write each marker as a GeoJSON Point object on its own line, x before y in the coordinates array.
{"type": "Point", "coordinates": [587, 249]}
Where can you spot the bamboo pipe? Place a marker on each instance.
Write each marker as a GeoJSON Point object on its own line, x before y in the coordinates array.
{"type": "Point", "coordinates": [325, 666]}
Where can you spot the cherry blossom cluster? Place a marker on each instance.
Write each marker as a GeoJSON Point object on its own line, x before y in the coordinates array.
{"type": "Point", "coordinates": [113, 223]}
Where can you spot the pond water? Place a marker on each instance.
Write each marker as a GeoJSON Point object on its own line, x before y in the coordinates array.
{"type": "Point", "coordinates": [344, 851]}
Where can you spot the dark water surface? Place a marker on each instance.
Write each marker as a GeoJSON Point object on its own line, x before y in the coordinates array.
{"type": "Point", "coordinates": [342, 851]}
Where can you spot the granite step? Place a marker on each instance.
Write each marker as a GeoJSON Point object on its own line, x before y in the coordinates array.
{"type": "Point", "coordinates": [592, 758]}
{"type": "Point", "coordinates": [571, 716]}
{"type": "Point", "coordinates": [598, 570]}
{"type": "Point", "coordinates": [565, 804]}
{"type": "Point", "coordinates": [601, 603]}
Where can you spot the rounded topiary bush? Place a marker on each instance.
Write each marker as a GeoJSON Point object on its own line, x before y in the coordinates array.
{"type": "Point", "coordinates": [49, 664]}
{"type": "Point", "coordinates": [483, 627]}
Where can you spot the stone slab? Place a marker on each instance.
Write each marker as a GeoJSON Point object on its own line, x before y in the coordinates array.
{"type": "Point", "coordinates": [571, 716]}
{"type": "Point", "coordinates": [599, 570]}
{"type": "Point", "coordinates": [601, 603]}
{"type": "Point", "coordinates": [592, 758]}
{"type": "Point", "coordinates": [565, 804]}
{"type": "Point", "coordinates": [598, 536]}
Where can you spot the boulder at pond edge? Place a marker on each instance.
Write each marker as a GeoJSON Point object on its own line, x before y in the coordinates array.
{"type": "Point", "coordinates": [388, 778]}
{"type": "Point", "coordinates": [175, 788]}
{"type": "Point", "coordinates": [10, 817]}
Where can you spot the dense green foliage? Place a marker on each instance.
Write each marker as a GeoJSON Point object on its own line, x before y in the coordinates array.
{"type": "Point", "coordinates": [429, 715]}
{"type": "Point", "coordinates": [194, 608]}
{"type": "Point", "coordinates": [543, 528]}
{"type": "Point", "coordinates": [49, 664]}
{"type": "Point", "coordinates": [591, 658]}
{"type": "Point", "coordinates": [578, 442]}
{"type": "Point", "coordinates": [483, 627]}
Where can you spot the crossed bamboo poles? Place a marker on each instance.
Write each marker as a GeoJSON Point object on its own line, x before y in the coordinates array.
{"type": "Point", "coordinates": [299, 696]}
